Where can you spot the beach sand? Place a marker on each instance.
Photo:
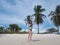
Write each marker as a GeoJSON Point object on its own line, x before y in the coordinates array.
{"type": "Point", "coordinates": [37, 39]}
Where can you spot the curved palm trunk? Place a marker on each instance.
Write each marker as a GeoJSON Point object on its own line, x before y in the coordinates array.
{"type": "Point", "coordinates": [38, 28]}
{"type": "Point", "coordinates": [58, 24]}
{"type": "Point", "coordinates": [58, 30]}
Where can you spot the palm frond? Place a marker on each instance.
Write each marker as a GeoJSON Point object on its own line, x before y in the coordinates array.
{"type": "Point", "coordinates": [51, 13]}
{"type": "Point", "coordinates": [41, 10]}
{"type": "Point", "coordinates": [42, 15]}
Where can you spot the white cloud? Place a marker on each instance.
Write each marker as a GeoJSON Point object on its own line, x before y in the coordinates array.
{"type": "Point", "coordinates": [10, 19]}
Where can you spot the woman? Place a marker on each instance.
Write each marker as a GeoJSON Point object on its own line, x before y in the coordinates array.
{"type": "Point", "coordinates": [30, 30]}
{"type": "Point", "coordinates": [28, 22]}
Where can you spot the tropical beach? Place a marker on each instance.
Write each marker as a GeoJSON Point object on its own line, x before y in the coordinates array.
{"type": "Point", "coordinates": [37, 39]}
{"type": "Point", "coordinates": [29, 22]}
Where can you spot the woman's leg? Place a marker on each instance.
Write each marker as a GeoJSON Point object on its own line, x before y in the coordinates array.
{"type": "Point", "coordinates": [30, 35]}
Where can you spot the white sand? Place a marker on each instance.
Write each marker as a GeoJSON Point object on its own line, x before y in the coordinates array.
{"type": "Point", "coordinates": [37, 39]}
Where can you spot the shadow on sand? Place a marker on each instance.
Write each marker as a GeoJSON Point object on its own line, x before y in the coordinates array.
{"type": "Point", "coordinates": [35, 40]}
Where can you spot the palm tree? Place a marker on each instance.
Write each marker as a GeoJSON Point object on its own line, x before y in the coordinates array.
{"type": "Point", "coordinates": [55, 16]}
{"type": "Point", "coordinates": [38, 15]}
{"type": "Point", "coordinates": [2, 29]}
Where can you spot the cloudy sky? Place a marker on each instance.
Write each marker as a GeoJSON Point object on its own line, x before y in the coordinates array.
{"type": "Point", "coordinates": [15, 11]}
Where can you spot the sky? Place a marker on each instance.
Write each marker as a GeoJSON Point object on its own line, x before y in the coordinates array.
{"type": "Point", "coordinates": [15, 11]}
